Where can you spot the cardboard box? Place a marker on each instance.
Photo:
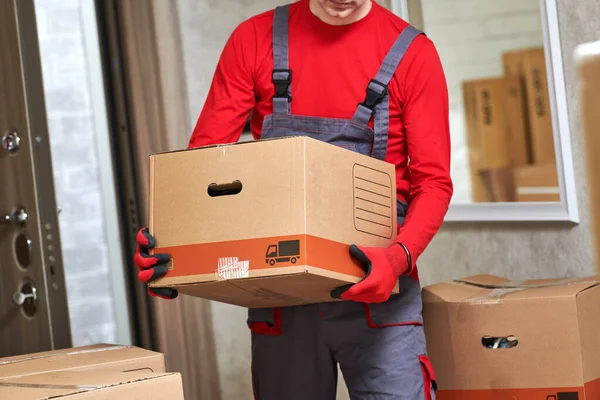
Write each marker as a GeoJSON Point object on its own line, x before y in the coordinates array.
{"type": "Point", "coordinates": [551, 348]}
{"type": "Point", "coordinates": [479, 191]}
{"type": "Point", "coordinates": [536, 183]}
{"type": "Point", "coordinates": [499, 184]}
{"type": "Point", "coordinates": [497, 136]}
{"type": "Point", "coordinates": [588, 70]}
{"type": "Point", "coordinates": [515, 112]}
{"type": "Point", "coordinates": [93, 385]}
{"type": "Point", "coordinates": [100, 357]}
{"type": "Point", "coordinates": [529, 65]}
{"type": "Point", "coordinates": [280, 233]}
{"type": "Point", "coordinates": [487, 127]}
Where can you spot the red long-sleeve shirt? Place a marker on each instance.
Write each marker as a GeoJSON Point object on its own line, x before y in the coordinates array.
{"type": "Point", "coordinates": [331, 66]}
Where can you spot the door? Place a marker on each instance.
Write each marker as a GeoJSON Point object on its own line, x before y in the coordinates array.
{"type": "Point", "coordinates": [33, 303]}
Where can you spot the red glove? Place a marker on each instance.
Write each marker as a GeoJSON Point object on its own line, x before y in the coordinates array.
{"type": "Point", "coordinates": [152, 267]}
{"type": "Point", "coordinates": [383, 267]}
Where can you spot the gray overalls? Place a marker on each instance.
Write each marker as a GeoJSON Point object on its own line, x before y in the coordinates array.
{"type": "Point", "coordinates": [379, 347]}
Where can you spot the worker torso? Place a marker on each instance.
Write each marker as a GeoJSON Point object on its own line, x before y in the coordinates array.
{"type": "Point", "coordinates": [331, 68]}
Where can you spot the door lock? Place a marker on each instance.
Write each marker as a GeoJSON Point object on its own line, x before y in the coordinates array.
{"type": "Point", "coordinates": [11, 142]}
{"type": "Point", "coordinates": [26, 297]}
{"type": "Point", "coordinates": [19, 297]}
{"type": "Point", "coordinates": [17, 217]}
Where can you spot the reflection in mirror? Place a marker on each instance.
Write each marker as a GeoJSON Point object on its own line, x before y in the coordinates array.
{"type": "Point", "coordinates": [500, 115]}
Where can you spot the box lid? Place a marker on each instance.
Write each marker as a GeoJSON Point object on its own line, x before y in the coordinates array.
{"type": "Point", "coordinates": [93, 385]}
{"type": "Point", "coordinates": [99, 356]}
{"type": "Point", "coordinates": [479, 288]}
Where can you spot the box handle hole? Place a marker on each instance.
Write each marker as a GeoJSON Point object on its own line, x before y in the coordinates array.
{"type": "Point", "coordinates": [224, 189]}
{"type": "Point", "coordinates": [500, 342]}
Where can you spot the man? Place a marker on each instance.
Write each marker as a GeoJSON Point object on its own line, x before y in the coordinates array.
{"type": "Point", "coordinates": [303, 69]}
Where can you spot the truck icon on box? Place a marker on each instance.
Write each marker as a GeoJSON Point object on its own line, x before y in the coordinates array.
{"type": "Point", "coordinates": [283, 251]}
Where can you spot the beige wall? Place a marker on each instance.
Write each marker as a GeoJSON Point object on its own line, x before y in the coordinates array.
{"type": "Point", "coordinates": [515, 250]}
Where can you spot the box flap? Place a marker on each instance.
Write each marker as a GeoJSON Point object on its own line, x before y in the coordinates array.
{"type": "Point", "coordinates": [208, 146]}
{"type": "Point", "coordinates": [86, 384]}
{"type": "Point", "coordinates": [480, 288]}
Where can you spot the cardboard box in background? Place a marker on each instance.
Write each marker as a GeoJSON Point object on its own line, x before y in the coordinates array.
{"type": "Point", "coordinates": [499, 184]}
{"type": "Point", "coordinates": [536, 183]}
{"type": "Point", "coordinates": [487, 127]}
{"type": "Point", "coordinates": [100, 357]}
{"type": "Point", "coordinates": [588, 70]}
{"type": "Point", "coordinates": [515, 112]}
{"type": "Point", "coordinates": [280, 233]}
{"type": "Point", "coordinates": [93, 385]}
{"type": "Point", "coordinates": [497, 137]}
{"type": "Point", "coordinates": [479, 190]}
{"type": "Point", "coordinates": [529, 65]}
{"type": "Point", "coordinates": [551, 348]}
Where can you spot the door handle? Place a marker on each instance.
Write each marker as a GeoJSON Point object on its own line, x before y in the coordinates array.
{"type": "Point", "coordinates": [17, 217]}
{"type": "Point", "coordinates": [19, 297]}
{"type": "Point", "coordinates": [26, 298]}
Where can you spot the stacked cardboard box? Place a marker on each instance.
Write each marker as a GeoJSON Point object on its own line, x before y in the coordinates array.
{"type": "Point", "coordinates": [509, 130]}
{"type": "Point", "coordinates": [268, 223]}
{"type": "Point", "coordinates": [490, 338]}
{"type": "Point", "coordinates": [91, 372]}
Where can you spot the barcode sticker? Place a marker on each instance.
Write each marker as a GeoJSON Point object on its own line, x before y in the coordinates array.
{"type": "Point", "coordinates": [373, 201]}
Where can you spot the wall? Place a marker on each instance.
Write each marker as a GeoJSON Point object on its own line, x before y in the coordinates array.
{"type": "Point", "coordinates": [76, 172]}
{"type": "Point", "coordinates": [525, 250]}
{"type": "Point", "coordinates": [470, 36]}
{"type": "Point", "coordinates": [516, 250]}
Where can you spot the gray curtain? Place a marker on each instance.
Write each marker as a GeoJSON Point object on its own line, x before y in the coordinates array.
{"type": "Point", "coordinates": [156, 85]}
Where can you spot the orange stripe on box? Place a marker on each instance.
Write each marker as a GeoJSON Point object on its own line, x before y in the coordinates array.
{"type": "Point", "coordinates": [332, 256]}
{"type": "Point", "coordinates": [592, 389]}
{"type": "Point", "coordinates": [513, 394]}
{"type": "Point", "coordinates": [317, 252]}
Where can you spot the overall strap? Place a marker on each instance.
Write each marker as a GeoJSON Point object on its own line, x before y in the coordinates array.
{"type": "Point", "coordinates": [377, 100]}
{"type": "Point", "coordinates": [282, 75]}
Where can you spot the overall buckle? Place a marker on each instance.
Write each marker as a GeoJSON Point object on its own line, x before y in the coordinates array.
{"type": "Point", "coordinates": [376, 91]}
{"type": "Point", "coordinates": [282, 79]}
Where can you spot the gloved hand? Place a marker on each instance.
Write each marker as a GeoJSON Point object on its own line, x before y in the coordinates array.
{"type": "Point", "coordinates": [152, 267]}
{"type": "Point", "coordinates": [383, 267]}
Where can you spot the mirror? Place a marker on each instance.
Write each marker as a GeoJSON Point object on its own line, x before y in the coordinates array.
{"type": "Point", "coordinates": [511, 156]}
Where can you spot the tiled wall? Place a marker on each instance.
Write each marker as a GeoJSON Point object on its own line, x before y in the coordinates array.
{"type": "Point", "coordinates": [470, 36]}
{"type": "Point", "coordinates": [76, 174]}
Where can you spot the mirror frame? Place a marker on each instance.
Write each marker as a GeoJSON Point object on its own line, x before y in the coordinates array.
{"type": "Point", "coordinates": [566, 210]}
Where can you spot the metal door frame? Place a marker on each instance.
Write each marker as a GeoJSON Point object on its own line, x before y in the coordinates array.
{"type": "Point", "coordinates": [43, 219]}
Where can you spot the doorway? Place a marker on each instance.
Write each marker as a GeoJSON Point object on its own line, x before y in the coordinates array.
{"type": "Point", "coordinates": [63, 280]}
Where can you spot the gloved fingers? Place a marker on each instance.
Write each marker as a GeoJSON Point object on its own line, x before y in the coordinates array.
{"type": "Point", "coordinates": [339, 291]}
{"type": "Point", "coordinates": [372, 297]}
{"type": "Point", "coordinates": [353, 291]}
{"type": "Point", "coordinates": [144, 260]}
{"type": "Point", "coordinates": [356, 252]}
{"type": "Point", "coordinates": [163, 293]}
{"type": "Point", "coordinates": [359, 254]}
{"type": "Point", "coordinates": [363, 289]}
{"type": "Point", "coordinates": [152, 274]}
{"type": "Point", "coordinates": [145, 239]}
